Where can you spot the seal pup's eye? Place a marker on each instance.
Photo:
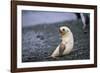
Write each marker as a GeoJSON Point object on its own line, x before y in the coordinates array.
{"type": "Point", "coordinates": [63, 29]}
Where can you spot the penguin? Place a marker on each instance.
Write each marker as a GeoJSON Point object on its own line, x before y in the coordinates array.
{"type": "Point", "coordinates": [85, 20]}
{"type": "Point", "coordinates": [67, 43]}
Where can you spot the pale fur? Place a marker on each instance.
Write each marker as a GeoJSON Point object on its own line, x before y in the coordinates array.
{"type": "Point", "coordinates": [68, 40]}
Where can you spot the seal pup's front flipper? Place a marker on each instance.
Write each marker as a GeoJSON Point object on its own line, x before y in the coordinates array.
{"type": "Point", "coordinates": [61, 49]}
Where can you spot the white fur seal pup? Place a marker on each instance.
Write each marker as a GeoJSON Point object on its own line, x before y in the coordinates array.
{"type": "Point", "coordinates": [67, 43]}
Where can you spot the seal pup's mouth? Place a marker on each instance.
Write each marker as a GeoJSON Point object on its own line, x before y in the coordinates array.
{"type": "Point", "coordinates": [61, 32]}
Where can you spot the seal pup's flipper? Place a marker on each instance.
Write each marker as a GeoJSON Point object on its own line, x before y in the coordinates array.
{"type": "Point", "coordinates": [50, 57]}
{"type": "Point", "coordinates": [61, 49]}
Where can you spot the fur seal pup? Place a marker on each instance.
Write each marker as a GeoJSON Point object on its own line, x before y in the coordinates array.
{"type": "Point", "coordinates": [67, 43]}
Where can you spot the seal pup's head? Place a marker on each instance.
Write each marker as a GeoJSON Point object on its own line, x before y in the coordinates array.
{"type": "Point", "coordinates": [64, 30]}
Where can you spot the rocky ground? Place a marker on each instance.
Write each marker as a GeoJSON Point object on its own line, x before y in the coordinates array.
{"type": "Point", "coordinates": [39, 41]}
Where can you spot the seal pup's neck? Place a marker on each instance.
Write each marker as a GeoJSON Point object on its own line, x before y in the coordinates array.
{"type": "Point", "coordinates": [65, 38]}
